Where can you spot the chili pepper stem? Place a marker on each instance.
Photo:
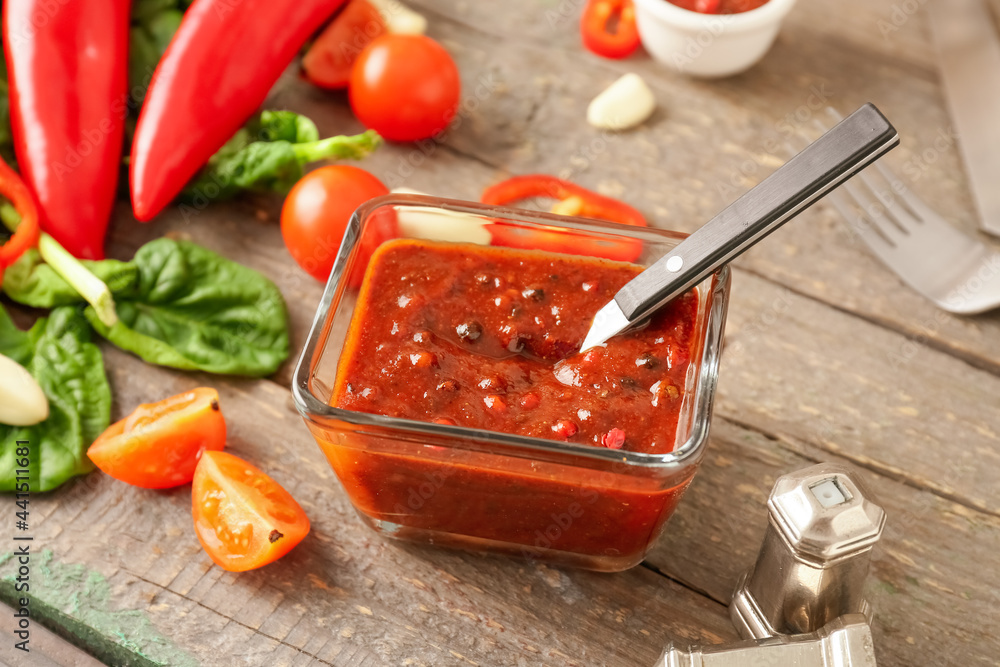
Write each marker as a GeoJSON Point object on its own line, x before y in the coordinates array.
{"type": "Point", "coordinates": [90, 287]}
{"type": "Point", "coordinates": [354, 147]}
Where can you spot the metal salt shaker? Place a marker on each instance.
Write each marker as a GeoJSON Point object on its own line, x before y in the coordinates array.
{"type": "Point", "coordinates": [815, 556]}
{"type": "Point", "coordinates": [844, 642]}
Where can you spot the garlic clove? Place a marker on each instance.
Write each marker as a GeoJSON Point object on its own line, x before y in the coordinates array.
{"type": "Point", "coordinates": [440, 225]}
{"type": "Point", "coordinates": [22, 401]}
{"type": "Point", "coordinates": [400, 19]}
{"type": "Point", "coordinates": [625, 103]}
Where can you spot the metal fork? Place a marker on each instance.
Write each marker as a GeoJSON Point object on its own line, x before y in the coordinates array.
{"type": "Point", "coordinates": [955, 271]}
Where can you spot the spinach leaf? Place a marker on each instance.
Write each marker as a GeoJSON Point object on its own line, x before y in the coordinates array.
{"type": "Point", "coordinates": [195, 310]}
{"type": "Point", "coordinates": [58, 353]}
{"type": "Point", "coordinates": [32, 282]}
{"type": "Point", "coordinates": [268, 154]}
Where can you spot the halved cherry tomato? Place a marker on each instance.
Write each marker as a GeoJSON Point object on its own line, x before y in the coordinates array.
{"type": "Point", "coordinates": [328, 61]}
{"type": "Point", "coordinates": [572, 200]}
{"type": "Point", "coordinates": [159, 444]}
{"type": "Point", "coordinates": [317, 210]}
{"type": "Point", "coordinates": [405, 87]}
{"type": "Point", "coordinates": [608, 28]}
{"type": "Point", "coordinates": [243, 518]}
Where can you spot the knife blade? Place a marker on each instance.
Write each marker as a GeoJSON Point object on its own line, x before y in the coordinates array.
{"type": "Point", "coordinates": [849, 147]}
{"type": "Point", "coordinates": [965, 34]}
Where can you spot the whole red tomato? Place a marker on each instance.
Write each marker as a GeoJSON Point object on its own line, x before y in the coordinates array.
{"type": "Point", "coordinates": [316, 213]}
{"type": "Point", "coordinates": [405, 87]}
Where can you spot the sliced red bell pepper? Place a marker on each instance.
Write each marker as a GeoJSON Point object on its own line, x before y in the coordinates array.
{"type": "Point", "coordinates": [608, 28]}
{"type": "Point", "coordinates": [68, 85]}
{"type": "Point", "coordinates": [572, 200]}
{"type": "Point", "coordinates": [26, 235]}
{"type": "Point", "coordinates": [223, 60]}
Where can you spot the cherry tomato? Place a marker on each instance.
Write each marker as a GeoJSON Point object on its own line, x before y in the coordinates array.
{"type": "Point", "coordinates": [316, 213]}
{"type": "Point", "coordinates": [159, 444]}
{"type": "Point", "coordinates": [243, 518]}
{"type": "Point", "coordinates": [405, 87]}
{"type": "Point", "coordinates": [328, 61]}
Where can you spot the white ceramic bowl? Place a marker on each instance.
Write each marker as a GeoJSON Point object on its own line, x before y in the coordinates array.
{"type": "Point", "coordinates": [708, 45]}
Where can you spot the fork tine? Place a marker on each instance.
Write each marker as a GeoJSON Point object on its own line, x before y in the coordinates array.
{"type": "Point", "coordinates": [913, 202]}
{"type": "Point", "coordinates": [859, 224]}
{"type": "Point", "coordinates": [894, 212]}
{"type": "Point", "coordinates": [884, 227]}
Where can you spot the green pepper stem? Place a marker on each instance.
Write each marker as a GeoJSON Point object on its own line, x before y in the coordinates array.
{"type": "Point", "coordinates": [354, 147]}
{"type": "Point", "coordinates": [89, 286]}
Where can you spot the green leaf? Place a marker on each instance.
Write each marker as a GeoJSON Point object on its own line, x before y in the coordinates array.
{"type": "Point", "coordinates": [14, 343]}
{"type": "Point", "coordinates": [58, 353]}
{"type": "Point", "coordinates": [193, 309]}
{"type": "Point", "coordinates": [267, 155]}
{"type": "Point", "coordinates": [32, 282]}
{"type": "Point", "coordinates": [286, 126]}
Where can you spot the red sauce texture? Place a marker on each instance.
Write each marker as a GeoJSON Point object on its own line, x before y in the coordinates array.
{"type": "Point", "coordinates": [719, 6]}
{"type": "Point", "coordinates": [488, 338]}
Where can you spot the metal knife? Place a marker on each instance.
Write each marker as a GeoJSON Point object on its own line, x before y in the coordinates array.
{"type": "Point", "coordinates": [849, 147]}
{"type": "Point", "coordinates": [969, 55]}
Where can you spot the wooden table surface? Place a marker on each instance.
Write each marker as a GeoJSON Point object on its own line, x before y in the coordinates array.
{"type": "Point", "coordinates": [830, 358]}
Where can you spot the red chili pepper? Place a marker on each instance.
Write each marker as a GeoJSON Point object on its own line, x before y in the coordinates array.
{"type": "Point", "coordinates": [573, 200]}
{"type": "Point", "coordinates": [225, 57]}
{"type": "Point", "coordinates": [68, 84]}
{"type": "Point", "coordinates": [577, 200]}
{"type": "Point", "coordinates": [26, 235]}
{"type": "Point", "coordinates": [595, 28]}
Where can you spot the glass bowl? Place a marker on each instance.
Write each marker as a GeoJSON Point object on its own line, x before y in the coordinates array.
{"type": "Point", "coordinates": [559, 502]}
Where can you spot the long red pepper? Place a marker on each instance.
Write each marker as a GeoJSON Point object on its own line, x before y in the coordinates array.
{"type": "Point", "coordinates": [218, 69]}
{"type": "Point", "coordinates": [67, 63]}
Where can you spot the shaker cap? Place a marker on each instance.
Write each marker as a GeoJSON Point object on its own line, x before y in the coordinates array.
{"type": "Point", "coordinates": [824, 513]}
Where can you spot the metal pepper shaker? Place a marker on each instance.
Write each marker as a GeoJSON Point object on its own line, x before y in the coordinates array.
{"type": "Point", "coordinates": [815, 556]}
{"type": "Point", "coordinates": [844, 642]}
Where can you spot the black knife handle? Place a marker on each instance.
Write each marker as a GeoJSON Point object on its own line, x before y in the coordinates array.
{"type": "Point", "coordinates": [843, 151]}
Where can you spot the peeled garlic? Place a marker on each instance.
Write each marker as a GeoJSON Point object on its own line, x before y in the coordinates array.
{"type": "Point", "coordinates": [624, 104]}
{"type": "Point", "coordinates": [400, 19]}
{"type": "Point", "coordinates": [22, 401]}
{"type": "Point", "coordinates": [438, 224]}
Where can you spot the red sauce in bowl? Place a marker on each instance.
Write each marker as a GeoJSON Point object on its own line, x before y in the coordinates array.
{"type": "Point", "coordinates": [719, 6]}
{"type": "Point", "coordinates": [487, 338]}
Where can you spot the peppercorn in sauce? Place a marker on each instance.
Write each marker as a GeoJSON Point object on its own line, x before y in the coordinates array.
{"type": "Point", "coordinates": [488, 337]}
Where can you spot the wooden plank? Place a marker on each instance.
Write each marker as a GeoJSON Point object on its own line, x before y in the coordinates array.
{"type": "Point", "coordinates": [802, 372]}
{"type": "Point", "coordinates": [46, 649]}
{"type": "Point", "coordinates": [934, 583]}
{"type": "Point", "coordinates": [344, 596]}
